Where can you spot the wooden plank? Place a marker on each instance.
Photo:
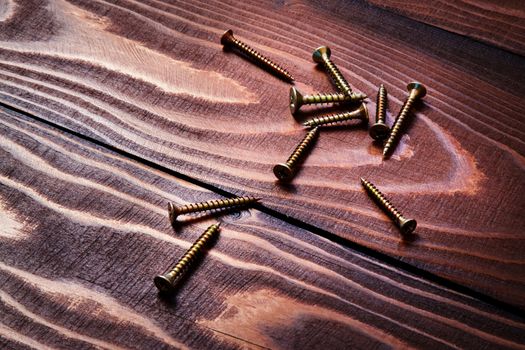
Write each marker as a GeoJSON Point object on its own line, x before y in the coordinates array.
{"type": "Point", "coordinates": [162, 89]}
{"type": "Point", "coordinates": [84, 230]}
{"type": "Point", "coordinates": [498, 23]}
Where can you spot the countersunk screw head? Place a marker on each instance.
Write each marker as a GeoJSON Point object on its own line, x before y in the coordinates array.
{"type": "Point", "coordinates": [283, 172]}
{"type": "Point", "coordinates": [296, 100]}
{"type": "Point", "coordinates": [163, 284]}
{"type": "Point", "coordinates": [363, 109]}
{"type": "Point", "coordinates": [321, 53]}
{"type": "Point", "coordinates": [227, 37]}
{"type": "Point", "coordinates": [379, 131]}
{"type": "Point", "coordinates": [420, 90]}
{"type": "Point", "coordinates": [407, 226]}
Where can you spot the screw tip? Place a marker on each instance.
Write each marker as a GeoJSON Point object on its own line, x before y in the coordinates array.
{"type": "Point", "coordinates": [386, 151]}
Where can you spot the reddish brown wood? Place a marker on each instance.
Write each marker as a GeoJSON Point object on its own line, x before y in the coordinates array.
{"type": "Point", "coordinates": [84, 230]}
{"type": "Point", "coordinates": [498, 23]}
{"type": "Point", "coordinates": [151, 79]}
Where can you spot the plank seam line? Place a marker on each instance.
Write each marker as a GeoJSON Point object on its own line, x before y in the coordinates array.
{"type": "Point", "coordinates": [479, 41]}
{"type": "Point", "coordinates": [361, 249]}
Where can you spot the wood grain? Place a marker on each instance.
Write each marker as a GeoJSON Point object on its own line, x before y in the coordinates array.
{"type": "Point", "coordinates": [499, 23]}
{"type": "Point", "coordinates": [150, 78]}
{"type": "Point", "coordinates": [85, 230]}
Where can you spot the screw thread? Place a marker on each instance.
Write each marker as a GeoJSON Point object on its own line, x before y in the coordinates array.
{"type": "Point", "coordinates": [337, 118]}
{"type": "Point", "coordinates": [332, 98]}
{"type": "Point", "coordinates": [395, 133]}
{"type": "Point", "coordinates": [262, 59]}
{"type": "Point", "coordinates": [382, 201]}
{"type": "Point", "coordinates": [167, 281]}
{"type": "Point", "coordinates": [210, 205]}
{"type": "Point", "coordinates": [381, 105]}
{"type": "Point", "coordinates": [299, 151]}
{"type": "Point", "coordinates": [337, 77]}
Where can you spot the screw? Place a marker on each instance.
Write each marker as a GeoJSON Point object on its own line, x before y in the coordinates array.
{"type": "Point", "coordinates": [286, 171]}
{"type": "Point", "coordinates": [228, 39]}
{"type": "Point", "coordinates": [380, 131]}
{"type": "Point", "coordinates": [297, 99]}
{"type": "Point", "coordinates": [361, 113]}
{"type": "Point", "coordinates": [166, 283]}
{"type": "Point", "coordinates": [322, 55]}
{"type": "Point", "coordinates": [407, 226]}
{"type": "Point", "coordinates": [175, 211]}
{"type": "Point", "coordinates": [416, 91]}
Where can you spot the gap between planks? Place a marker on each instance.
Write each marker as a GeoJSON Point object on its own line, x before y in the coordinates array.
{"type": "Point", "coordinates": [426, 275]}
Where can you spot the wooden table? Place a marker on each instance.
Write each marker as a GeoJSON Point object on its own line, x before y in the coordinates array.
{"type": "Point", "coordinates": [112, 108]}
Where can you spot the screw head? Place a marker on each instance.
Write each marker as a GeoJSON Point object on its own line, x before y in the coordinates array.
{"type": "Point", "coordinates": [379, 131]}
{"type": "Point", "coordinates": [227, 37]}
{"type": "Point", "coordinates": [363, 110]}
{"type": "Point", "coordinates": [321, 53]}
{"type": "Point", "coordinates": [173, 212]}
{"type": "Point", "coordinates": [296, 100]}
{"type": "Point", "coordinates": [420, 89]}
{"type": "Point", "coordinates": [407, 226]}
{"type": "Point", "coordinates": [163, 284]}
{"type": "Point", "coordinates": [283, 172]}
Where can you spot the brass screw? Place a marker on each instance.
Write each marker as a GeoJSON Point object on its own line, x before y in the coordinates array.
{"type": "Point", "coordinates": [416, 91]}
{"type": "Point", "coordinates": [166, 283]}
{"type": "Point", "coordinates": [228, 39]}
{"type": "Point", "coordinates": [407, 226]}
{"type": "Point", "coordinates": [361, 113]}
{"type": "Point", "coordinates": [175, 211]}
{"type": "Point", "coordinates": [322, 55]}
{"type": "Point", "coordinates": [286, 171]}
{"type": "Point", "coordinates": [380, 131]}
{"type": "Point", "coordinates": [297, 99]}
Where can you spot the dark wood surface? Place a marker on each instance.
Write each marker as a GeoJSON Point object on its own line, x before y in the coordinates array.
{"type": "Point", "coordinates": [498, 23]}
{"type": "Point", "coordinates": [85, 230]}
{"type": "Point", "coordinates": [161, 112]}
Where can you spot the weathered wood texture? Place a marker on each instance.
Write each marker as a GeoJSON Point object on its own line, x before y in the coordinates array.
{"type": "Point", "coordinates": [84, 231]}
{"type": "Point", "coordinates": [500, 23]}
{"type": "Point", "coordinates": [151, 78]}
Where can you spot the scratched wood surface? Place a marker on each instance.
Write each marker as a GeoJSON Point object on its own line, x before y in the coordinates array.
{"type": "Point", "coordinates": [84, 230]}
{"type": "Point", "coordinates": [150, 78]}
{"type": "Point", "coordinates": [499, 23]}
